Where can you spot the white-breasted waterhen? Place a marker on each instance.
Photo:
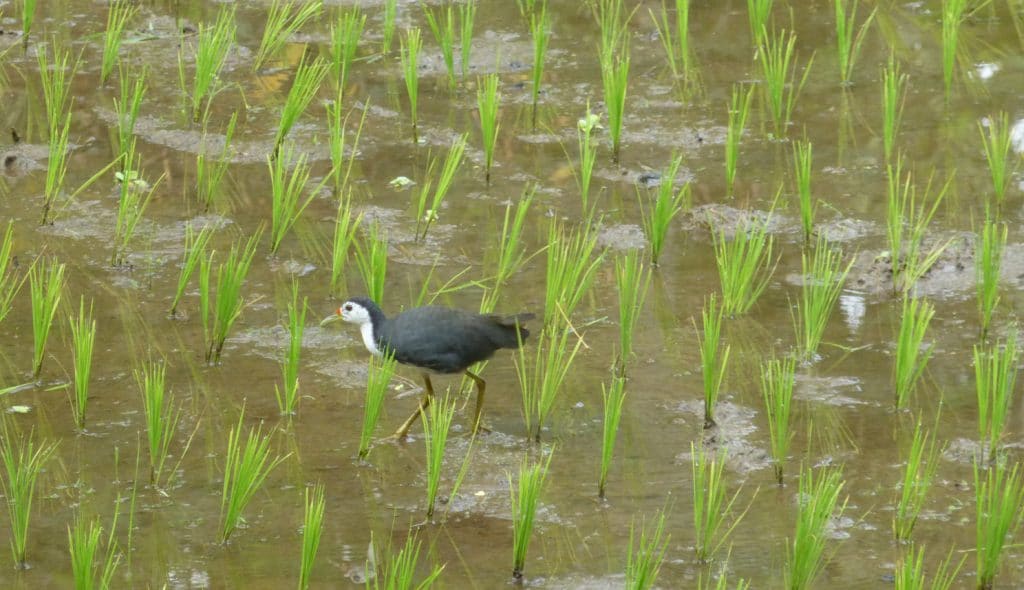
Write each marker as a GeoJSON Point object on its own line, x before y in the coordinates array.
{"type": "Point", "coordinates": [435, 339]}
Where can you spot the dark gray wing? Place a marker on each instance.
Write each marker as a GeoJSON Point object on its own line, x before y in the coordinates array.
{"type": "Point", "coordinates": [447, 340]}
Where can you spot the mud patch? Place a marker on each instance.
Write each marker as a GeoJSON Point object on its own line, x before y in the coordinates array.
{"type": "Point", "coordinates": [951, 277]}
{"type": "Point", "coordinates": [732, 433]}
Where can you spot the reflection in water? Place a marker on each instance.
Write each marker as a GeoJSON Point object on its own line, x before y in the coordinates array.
{"type": "Point", "coordinates": [852, 306]}
{"type": "Point", "coordinates": [1017, 136]}
{"type": "Point", "coordinates": [986, 70]}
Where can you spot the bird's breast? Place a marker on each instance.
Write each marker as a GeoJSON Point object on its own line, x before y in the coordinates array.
{"type": "Point", "coordinates": [366, 330]}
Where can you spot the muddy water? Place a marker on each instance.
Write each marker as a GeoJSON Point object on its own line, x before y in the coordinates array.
{"type": "Point", "coordinates": [581, 542]}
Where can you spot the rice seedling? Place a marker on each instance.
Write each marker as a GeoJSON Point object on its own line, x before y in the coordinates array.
{"type": "Point", "coordinates": [210, 175]}
{"type": "Point", "coordinates": [817, 502]}
{"type": "Point", "coordinates": [999, 498]}
{"type": "Point", "coordinates": [467, 14]}
{"type": "Point", "coordinates": [542, 379]}
{"type": "Point", "coordinates": [284, 18]}
{"type": "Point", "coordinates": [312, 530]}
{"type": "Point", "coordinates": [212, 48]}
{"type": "Point", "coordinates": [525, 496]}
{"type": "Point", "coordinates": [510, 249]}
{"type": "Point", "coordinates": [345, 226]}
{"type": "Point", "coordinates": [588, 156]}
{"type": "Point", "coordinates": [409, 53]}
{"type": "Point", "coordinates": [758, 13]}
{"type": "Point", "coordinates": [738, 110]}
{"type": "Point", "coordinates": [425, 216]}
{"type": "Point", "coordinates": [162, 419]}
{"type": "Point", "coordinates": [777, 54]}
{"type": "Point", "coordinates": [46, 282]}
{"type": "Point", "coordinates": [646, 553]}
{"type": "Point", "coordinates": [229, 302]}
{"type": "Point", "coordinates": [289, 178]}
{"type": "Point", "coordinates": [443, 28]}
{"type": "Point", "coordinates": [28, 17]}
{"type": "Point", "coordinates": [612, 398]}
{"type": "Point", "coordinates": [56, 166]}
{"type": "Point", "coordinates": [824, 275]}
{"type": "Point", "coordinates": [23, 461]}
{"type": "Point", "coordinates": [245, 470]}
{"type": "Point", "coordinates": [308, 77]}
{"type": "Point", "coordinates": [777, 378]}
{"type": "Point", "coordinates": [802, 160]}
{"type": "Point", "coordinates": [83, 337]}
{"type": "Point", "coordinates": [905, 213]}
{"type": "Point", "coordinates": [922, 460]}
{"type": "Point", "coordinates": [118, 14]}
{"type": "Point", "coordinates": [288, 400]}
{"type": "Point", "coordinates": [615, 81]}
{"type": "Point", "coordinates": [130, 207]}
{"type": "Point", "coordinates": [399, 568]}
{"type": "Point", "coordinates": [995, 374]}
{"type": "Point", "coordinates": [336, 124]}
{"type": "Point", "coordinates": [488, 101]}
{"type": "Point", "coordinates": [437, 421]}
{"type": "Point", "coordinates": [194, 251]}
{"type": "Point", "coordinates": [992, 244]}
{"type": "Point", "coordinates": [668, 203]}
{"type": "Point", "coordinates": [911, 356]}
{"type": "Point", "coordinates": [388, 29]}
{"type": "Point", "coordinates": [713, 516]}
{"type": "Point", "coordinates": [84, 546]}
{"type": "Point", "coordinates": [996, 139]}
{"type": "Point", "coordinates": [744, 264]}
{"type": "Point", "coordinates": [9, 283]}
{"type": "Point", "coordinates": [345, 35]}
{"type": "Point", "coordinates": [611, 22]}
{"type": "Point", "coordinates": [55, 78]}
{"type": "Point", "coordinates": [894, 96]}
{"type": "Point", "coordinates": [379, 374]}
{"type": "Point", "coordinates": [631, 282]}
{"type": "Point", "coordinates": [526, 7]}
{"type": "Point", "coordinates": [953, 14]}
{"type": "Point", "coordinates": [713, 356]}
{"type": "Point", "coordinates": [540, 33]}
{"type": "Point", "coordinates": [372, 261]}
{"type": "Point", "coordinates": [571, 269]}
{"type": "Point", "coordinates": [849, 38]}
{"type": "Point", "coordinates": [677, 45]}
{"type": "Point", "coordinates": [132, 88]}
{"type": "Point", "coordinates": [909, 574]}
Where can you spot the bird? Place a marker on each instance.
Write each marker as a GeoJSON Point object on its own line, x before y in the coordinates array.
{"type": "Point", "coordinates": [434, 339]}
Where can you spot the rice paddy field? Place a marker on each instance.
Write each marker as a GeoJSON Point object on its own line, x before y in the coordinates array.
{"type": "Point", "coordinates": [772, 248]}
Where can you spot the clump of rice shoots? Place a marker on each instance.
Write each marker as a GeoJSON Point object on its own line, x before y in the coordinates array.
{"type": "Point", "coordinates": [246, 467]}
{"type": "Point", "coordinates": [525, 499]}
{"type": "Point", "coordinates": [713, 356]}
{"type": "Point", "coordinates": [817, 504]}
{"type": "Point", "coordinates": [995, 375]}
{"type": "Point", "coordinates": [912, 356]}
{"type": "Point", "coordinates": [24, 460]}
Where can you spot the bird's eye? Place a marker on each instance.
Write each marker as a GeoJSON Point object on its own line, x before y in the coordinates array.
{"type": "Point", "coordinates": [348, 307]}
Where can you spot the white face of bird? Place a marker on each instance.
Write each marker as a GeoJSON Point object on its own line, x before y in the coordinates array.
{"type": "Point", "coordinates": [354, 313]}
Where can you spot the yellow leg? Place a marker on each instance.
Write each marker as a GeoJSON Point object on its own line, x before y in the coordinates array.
{"type": "Point", "coordinates": [403, 430]}
{"type": "Point", "coordinates": [481, 387]}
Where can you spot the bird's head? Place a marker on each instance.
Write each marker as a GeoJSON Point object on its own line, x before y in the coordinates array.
{"type": "Point", "coordinates": [352, 311]}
